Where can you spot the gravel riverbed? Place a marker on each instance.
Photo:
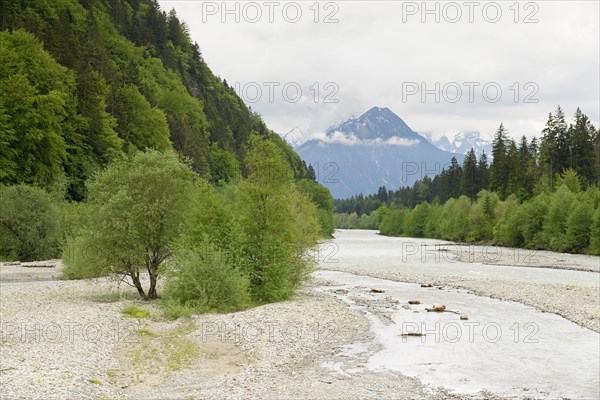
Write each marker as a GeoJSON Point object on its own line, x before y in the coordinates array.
{"type": "Point", "coordinates": [70, 339]}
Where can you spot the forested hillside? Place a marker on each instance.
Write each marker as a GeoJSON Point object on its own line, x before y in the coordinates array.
{"type": "Point", "coordinates": [123, 154]}
{"type": "Point", "coordinates": [83, 83]}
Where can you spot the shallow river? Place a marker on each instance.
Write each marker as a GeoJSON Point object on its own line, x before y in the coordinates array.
{"type": "Point", "coordinates": [504, 347]}
{"type": "Point", "coordinates": [361, 249]}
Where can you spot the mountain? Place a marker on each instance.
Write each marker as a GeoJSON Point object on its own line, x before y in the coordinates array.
{"type": "Point", "coordinates": [376, 149]}
{"type": "Point", "coordinates": [462, 142]}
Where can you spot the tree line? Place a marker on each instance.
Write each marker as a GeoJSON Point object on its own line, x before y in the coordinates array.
{"type": "Point", "coordinates": [524, 169]}
{"type": "Point", "coordinates": [536, 194]}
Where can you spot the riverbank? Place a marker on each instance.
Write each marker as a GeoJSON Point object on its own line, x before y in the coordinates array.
{"type": "Point", "coordinates": [70, 339]}
{"type": "Point", "coordinates": [467, 267]}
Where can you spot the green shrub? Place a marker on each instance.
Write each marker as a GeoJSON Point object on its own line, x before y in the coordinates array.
{"type": "Point", "coordinates": [206, 279]}
{"type": "Point", "coordinates": [30, 227]}
{"type": "Point", "coordinates": [595, 234]}
{"type": "Point", "coordinates": [393, 222]}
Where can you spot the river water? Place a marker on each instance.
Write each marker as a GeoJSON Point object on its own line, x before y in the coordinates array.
{"type": "Point", "coordinates": [504, 347]}
{"type": "Point", "coordinates": [362, 249]}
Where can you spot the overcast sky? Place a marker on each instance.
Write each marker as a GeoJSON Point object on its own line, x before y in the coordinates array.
{"type": "Point", "coordinates": [341, 58]}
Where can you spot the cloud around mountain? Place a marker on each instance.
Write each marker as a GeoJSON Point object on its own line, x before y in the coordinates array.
{"type": "Point", "coordinates": [338, 137]}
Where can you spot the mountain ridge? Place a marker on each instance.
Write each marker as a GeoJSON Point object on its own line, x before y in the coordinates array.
{"type": "Point", "coordinates": [376, 149]}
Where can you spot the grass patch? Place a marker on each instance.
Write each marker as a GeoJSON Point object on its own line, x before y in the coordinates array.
{"type": "Point", "coordinates": [172, 309]}
{"type": "Point", "coordinates": [163, 352]}
{"type": "Point", "coordinates": [112, 375]}
{"type": "Point", "coordinates": [146, 332]}
{"type": "Point", "coordinates": [95, 381]}
{"type": "Point", "coordinates": [135, 312]}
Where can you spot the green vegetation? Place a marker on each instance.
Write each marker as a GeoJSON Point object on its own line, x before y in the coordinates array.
{"type": "Point", "coordinates": [30, 227]}
{"type": "Point", "coordinates": [245, 243]}
{"type": "Point", "coordinates": [566, 153]}
{"type": "Point", "coordinates": [161, 352]}
{"type": "Point", "coordinates": [135, 312]}
{"type": "Point", "coordinates": [120, 149]}
{"type": "Point", "coordinates": [95, 381]}
{"type": "Point", "coordinates": [565, 220]}
{"type": "Point", "coordinates": [542, 196]}
{"type": "Point", "coordinates": [82, 83]}
{"type": "Point", "coordinates": [134, 210]}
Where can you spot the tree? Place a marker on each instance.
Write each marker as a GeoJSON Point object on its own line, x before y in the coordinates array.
{"type": "Point", "coordinates": [416, 222]}
{"type": "Point", "coordinates": [468, 184]}
{"type": "Point", "coordinates": [140, 125]}
{"type": "Point", "coordinates": [36, 97]}
{"type": "Point", "coordinates": [393, 222]}
{"type": "Point", "coordinates": [500, 166]}
{"type": "Point", "coordinates": [134, 212]}
{"type": "Point", "coordinates": [278, 224]}
{"type": "Point", "coordinates": [570, 179]}
{"type": "Point", "coordinates": [595, 234]}
{"type": "Point", "coordinates": [454, 178]}
{"type": "Point", "coordinates": [551, 152]}
{"type": "Point", "coordinates": [583, 158]}
{"type": "Point", "coordinates": [320, 196]}
{"type": "Point", "coordinates": [556, 219]}
{"type": "Point", "coordinates": [577, 236]}
{"type": "Point", "coordinates": [30, 226]}
{"type": "Point", "coordinates": [482, 172]}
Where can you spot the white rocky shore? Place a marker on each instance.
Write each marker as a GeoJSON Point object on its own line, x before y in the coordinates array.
{"type": "Point", "coordinates": [70, 339]}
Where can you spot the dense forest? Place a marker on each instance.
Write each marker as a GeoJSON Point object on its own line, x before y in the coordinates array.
{"type": "Point", "coordinates": [84, 83]}
{"type": "Point", "coordinates": [122, 153]}
{"type": "Point", "coordinates": [538, 194]}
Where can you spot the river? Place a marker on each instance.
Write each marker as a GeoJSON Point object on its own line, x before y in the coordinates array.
{"type": "Point", "coordinates": [504, 347]}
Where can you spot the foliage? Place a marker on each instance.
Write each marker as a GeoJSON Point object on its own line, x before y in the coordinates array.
{"type": "Point", "coordinates": [206, 279]}
{"type": "Point", "coordinates": [559, 221]}
{"type": "Point", "coordinates": [92, 79]}
{"type": "Point", "coordinates": [134, 211]}
{"type": "Point", "coordinates": [322, 199]}
{"type": "Point", "coordinates": [30, 226]}
{"type": "Point", "coordinates": [274, 240]}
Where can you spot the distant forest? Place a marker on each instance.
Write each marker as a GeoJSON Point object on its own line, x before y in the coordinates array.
{"type": "Point", "coordinates": [522, 169]}
{"type": "Point", "coordinates": [541, 195]}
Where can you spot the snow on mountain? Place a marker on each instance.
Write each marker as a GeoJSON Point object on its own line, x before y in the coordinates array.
{"type": "Point", "coordinates": [462, 142]}
{"type": "Point", "coordinates": [376, 149]}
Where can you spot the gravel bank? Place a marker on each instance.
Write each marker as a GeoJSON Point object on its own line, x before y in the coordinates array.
{"type": "Point", "coordinates": [68, 339]}
{"type": "Point", "coordinates": [580, 304]}
{"type": "Point", "coordinates": [495, 255]}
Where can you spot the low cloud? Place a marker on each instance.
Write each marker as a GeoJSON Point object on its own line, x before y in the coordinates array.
{"type": "Point", "coordinates": [338, 137]}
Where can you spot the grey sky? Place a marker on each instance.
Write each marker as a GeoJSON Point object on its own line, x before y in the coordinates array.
{"type": "Point", "coordinates": [381, 53]}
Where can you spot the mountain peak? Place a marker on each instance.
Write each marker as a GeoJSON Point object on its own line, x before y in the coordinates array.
{"type": "Point", "coordinates": [376, 123]}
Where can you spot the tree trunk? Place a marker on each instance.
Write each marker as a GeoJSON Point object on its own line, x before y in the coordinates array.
{"type": "Point", "coordinates": [152, 290]}
{"type": "Point", "coordinates": [152, 267]}
{"type": "Point", "coordinates": [138, 285]}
